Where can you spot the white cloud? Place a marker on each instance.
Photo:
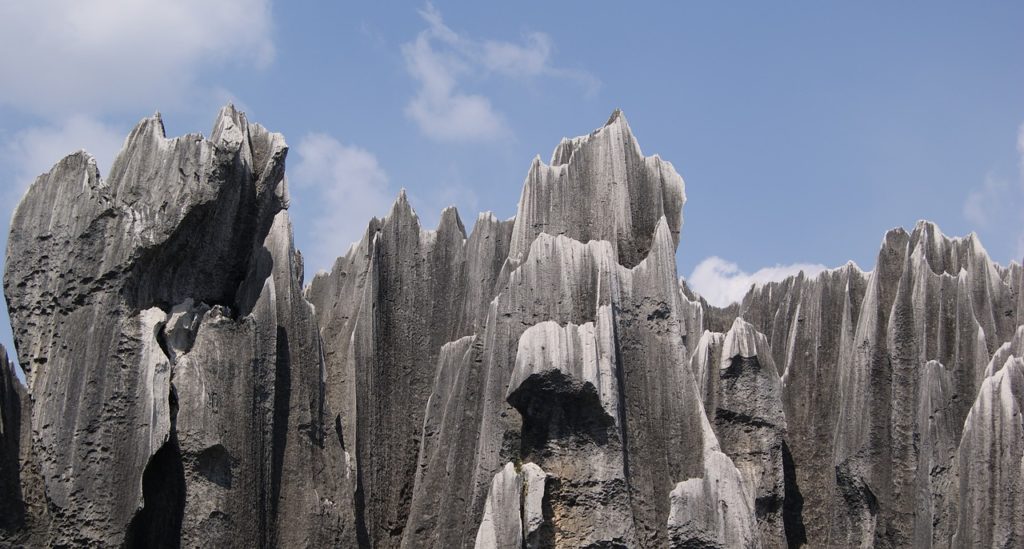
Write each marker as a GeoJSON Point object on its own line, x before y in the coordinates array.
{"type": "Point", "coordinates": [722, 282]}
{"type": "Point", "coordinates": [341, 186]}
{"type": "Point", "coordinates": [440, 60]}
{"type": "Point", "coordinates": [997, 206]}
{"type": "Point", "coordinates": [1020, 211]}
{"type": "Point", "coordinates": [67, 56]}
{"type": "Point", "coordinates": [35, 150]}
{"type": "Point", "coordinates": [984, 204]}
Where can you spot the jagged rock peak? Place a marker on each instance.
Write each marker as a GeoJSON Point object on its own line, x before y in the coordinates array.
{"type": "Point", "coordinates": [600, 187]}
{"type": "Point", "coordinates": [546, 381]}
{"type": "Point", "coordinates": [157, 312]}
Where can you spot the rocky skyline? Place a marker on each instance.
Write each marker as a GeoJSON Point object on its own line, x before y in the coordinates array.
{"type": "Point", "coordinates": [546, 380]}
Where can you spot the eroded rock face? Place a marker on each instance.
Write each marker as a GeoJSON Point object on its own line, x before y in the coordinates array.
{"type": "Point", "coordinates": [602, 172]}
{"type": "Point", "coordinates": [879, 371]}
{"type": "Point", "coordinates": [159, 316]}
{"type": "Point", "coordinates": [17, 472]}
{"type": "Point", "coordinates": [989, 462]}
{"type": "Point", "coordinates": [545, 381]}
{"type": "Point", "coordinates": [743, 398]}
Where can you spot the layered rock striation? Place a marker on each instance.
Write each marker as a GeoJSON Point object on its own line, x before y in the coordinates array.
{"type": "Point", "coordinates": [544, 381]}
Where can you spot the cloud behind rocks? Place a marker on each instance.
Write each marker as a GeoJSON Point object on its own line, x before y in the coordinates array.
{"type": "Point", "coordinates": [340, 188]}
{"type": "Point", "coordinates": [722, 282]}
{"type": "Point", "coordinates": [997, 204]}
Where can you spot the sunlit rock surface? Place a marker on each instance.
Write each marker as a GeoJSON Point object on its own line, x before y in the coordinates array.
{"type": "Point", "coordinates": [544, 381]}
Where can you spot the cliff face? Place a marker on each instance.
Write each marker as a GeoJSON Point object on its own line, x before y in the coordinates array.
{"type": "Point", "coordinates": [545, 381]}
{"type": "Point", "coordinates": [174, 368]}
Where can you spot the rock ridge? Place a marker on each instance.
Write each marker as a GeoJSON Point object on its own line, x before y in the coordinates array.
{"type": "Point", "coordinates": [544, 381]}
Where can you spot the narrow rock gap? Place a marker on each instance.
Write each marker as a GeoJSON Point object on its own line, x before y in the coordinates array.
{"type": "Point", "coordinates": [158, 524]}
{"type": "Point", "coordinates": [279, 441]}
{"type": "Point", "coordinates": [793, 503]}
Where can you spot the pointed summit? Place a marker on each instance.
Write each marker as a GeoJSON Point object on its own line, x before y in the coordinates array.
{"type": "Point", "coordinates": [616, 115]}
{"type": "Point", "coordinates": [600, 186]}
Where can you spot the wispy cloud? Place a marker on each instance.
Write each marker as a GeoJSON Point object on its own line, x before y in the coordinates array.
{"type": "Point", "coordinates": [440, 60]}
{"type": "Point", "coordinates": [35, 150]}
{"type": "Point", "coordinates": [998, 203]}
{"type": "Point", "coordinates": [342, 186]}
{"type": "Point", "coordinates": [1020, 153]}
{"type": "Point", "coordinates": [60, 57]}
{"type": "Point", "coordinates": [76, 65]}
{"type": "Point", "coordinates": [722, 282]}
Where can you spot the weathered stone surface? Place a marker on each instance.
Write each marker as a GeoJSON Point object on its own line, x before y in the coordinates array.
{"type": "Point", "coordinates": [878, 373]}
{"type": "Point", "coordinates": [565, 389]}
{"type": "Point", "coordinates": [158, 314]}
{"type": "Point", "coordinates": [514, 513]}
{"type": "Point", "coordinates": [990, 462]}
{"type": "Point", "coordinates": [743, 395]}
{"type": "Point", "coordinates": [22, 505]}
{"type": "Point", "coordinates": [714, 509]}
{"type": "Point", "coordinates": [415, 290]}
{"type": "Point", "coordinates": [546, 381]}
{"type": "Point", "coordinates": [604, 173]}
{"type": "Point", "coordinates": [537, 513]}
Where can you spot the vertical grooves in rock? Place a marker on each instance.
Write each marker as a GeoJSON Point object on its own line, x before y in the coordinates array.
{"type": "Point", "coordinates": [545, 381]}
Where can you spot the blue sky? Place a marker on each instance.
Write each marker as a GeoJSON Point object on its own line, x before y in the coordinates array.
{"type": "Point", "coordinates": [804, 131]}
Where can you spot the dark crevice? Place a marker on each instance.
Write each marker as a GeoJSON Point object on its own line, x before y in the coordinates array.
{"type": "Point", "coordinates": [161, 338]}
{"type": "Point", "coordinates": [362, 534]}
{"type": "Point", "coordinates": [282, 404]}
{"type": "Point", "coordinates": [158, 524]}
{"type": "Point", "coordinates": [338, 431]}
{"type": "Point", "coordinates": [739, 364]}
{"type": "Point", "coordinates": [544, 537]}
{"type": "Point", "coordinates": [730, 416]}
{"type": "Point", "coordinates": [793, 505]}
{"type": "Point", "coordinates": [12, 505]}
{"type": "Point", "coordinates": [555, 406]}
{"type": "Point", "coordinates": [215, 464]}
{"type": "Point", "coordinates": [767, 505]}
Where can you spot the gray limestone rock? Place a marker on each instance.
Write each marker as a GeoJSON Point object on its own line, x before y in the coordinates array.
{"type": "Point", "coordinates": [713, 510]}
{"type": "Point", "coordinates": [158, 314]}
{"type": "Point", "coordinates": [602, 173]}
{"type": "Point", "coordinates": [879, 371]}
{"type": "Point", "coordinates": [990, 457]}
{"type": "Point", "coordinates": [545, 381]}
{"type": "Point", "coordinates": [23, 513]}
{"type": "Point", "coordinates": [743, 398]}
{"type": "Point", "coordinates": [514, 513]}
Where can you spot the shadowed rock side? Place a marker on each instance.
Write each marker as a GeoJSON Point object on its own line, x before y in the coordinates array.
{"type": "Point", "coordinates": [159, 317]}
{"type": "Point", "coordinates": [546, 381]}
{"type": "Point", "coordinates": [385, 312]}
{"type": "Point", "coordinates": [517, 511]}
{"type": "Point", "coordinates": [447, 314]}
{"type": "Point", "coordinates": [12, 400]}
{"type": "Point", "coordinates": [23, 510]}
{"type": "Point", "coordinates": [743, 396]}
{"type": "Point", "coordinates": [879, 371]}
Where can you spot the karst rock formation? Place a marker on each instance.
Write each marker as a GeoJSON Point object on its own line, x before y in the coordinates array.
{"type": "Point", "coordinates": [544, 381]}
